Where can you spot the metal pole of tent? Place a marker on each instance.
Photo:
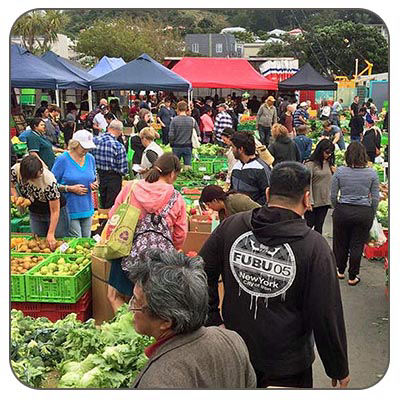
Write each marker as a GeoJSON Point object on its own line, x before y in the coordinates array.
{"type": "Point", "coordinates": [90, 99]}
{"type": "Point", "coordinates": [57, 96]}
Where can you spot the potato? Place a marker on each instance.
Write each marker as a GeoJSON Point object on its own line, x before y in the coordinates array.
{"type": "Point", "coordinates": [23, 248]}
{"type": "Point", "coordinates": [28, 251]}
{"type": "Point", "coordinates": [37, 250]}
{"type": "Point", "coordinates": [26, 203]}
{"type": "Point", "coordinates": [32, 244]}
{"type": "Point", "coordinates": [19, 201]}
{"type": "Point", "coordinates": [46, 250]}
{"type": "Point", "coordinates": [42, 246]}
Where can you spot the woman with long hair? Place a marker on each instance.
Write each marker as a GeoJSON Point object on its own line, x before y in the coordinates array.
{"type": "Point", "coordinates": [47, 211]}
{"type": "Point", "coordinates": [354, 209]}
{"type": "Point", "coordinates": [283, 148]}
{"type": "Point", "coordinates": [321, 166]}
{"type": "Point", "coordinates": [226, 204]}
{"type": "Point", "coordinates": [150, 196]}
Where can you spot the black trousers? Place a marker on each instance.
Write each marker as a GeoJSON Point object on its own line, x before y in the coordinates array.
{"type": "Point", "coordinates": [351, 225]}
{"type": "Point", "coordinates": [316, 218]}
{"type": "Point", "coordinates": [110, 184]}
{"type": "Point", "coordinates": [165, 135]}
{"type": "Point", "coordinates": [303, 379]}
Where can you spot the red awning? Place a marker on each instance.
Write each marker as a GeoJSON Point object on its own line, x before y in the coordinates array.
{"type": "Point", "coordinates": [231, 73]}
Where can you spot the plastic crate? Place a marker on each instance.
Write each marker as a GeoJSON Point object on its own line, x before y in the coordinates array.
{"type": "Point", "coordinates": [57, 289]}
{"type": "Point", "coordinates": [384, 139]}
{"type": "Point", "coordinates": [56, 311]}
{"type": "Point", "coordinates": [220, 165]}
{"type": "Point", "coordinates": [18, 292]}
{"type": "Point", "coordinates": [371, 253]}
{"type": "Point", "coordinates": [20, 148]}
{"type": "Point", "coordinates": [17, 227]}
{"type": "Point", "coordinates": [381, 176]}
{"type": "Point", "coordinates": [203, 166]}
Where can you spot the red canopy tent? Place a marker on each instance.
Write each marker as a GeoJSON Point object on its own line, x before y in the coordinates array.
{"type": "Point", "coordinates": [216, 73]}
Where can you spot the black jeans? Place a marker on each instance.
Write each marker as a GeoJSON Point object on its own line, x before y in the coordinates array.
{"type": "Point", "coordinates": [316, 218]}
{"type": "Point", "coordinates": [110, 184]}
{"type": "Point", "coordinates": [303, 379]}
{"type": "Point", "coordinates": [351, 225]}
{"type": "Point", "coordinates": [165, 135]}
{"type": "Point", "coordinates": [265, 134]}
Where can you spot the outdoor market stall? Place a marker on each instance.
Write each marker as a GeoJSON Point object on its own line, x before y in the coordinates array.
{"type": "Point", "coordinates": [106, 65]}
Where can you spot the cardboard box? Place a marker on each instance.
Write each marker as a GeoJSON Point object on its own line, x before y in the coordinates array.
{"type": "Point", "coordinates": [200, 223]}
{"type": "Point", "coordinates": [102, 310]}
{"type": "Point", "coordinates": [194, 241]}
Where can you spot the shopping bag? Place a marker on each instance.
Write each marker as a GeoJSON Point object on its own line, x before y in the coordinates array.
{"type": "Point", "coordinates": [117, 236]}
{"type": "Point", "coordinates": [195, 138]}
{"type": "Point", "coordinates": [376, 232]}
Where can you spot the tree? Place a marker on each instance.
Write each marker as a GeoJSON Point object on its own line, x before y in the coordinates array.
{"type": "Point", "coordinates": [128, 38]}
{"type": "Point", "coordinates": [332, 48]}
{"type": "Point", "coordinates": [39, 29]}
{"type": "Point", "coordinates": [245, 37]}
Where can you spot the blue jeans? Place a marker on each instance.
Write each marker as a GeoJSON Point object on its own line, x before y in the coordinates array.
{"type": "Point", "coordinates": [185, 153]}
{"type": "Point", "coordinates": [265, 133]}
{"type": "Point", "coordinates": [355, 138]}
{"type": "Point", "coordinates": [341, 143]}
{"type": "Point", "coordinates": [81, 227]}
{"type": "Point", "coordinates": [40, 224]}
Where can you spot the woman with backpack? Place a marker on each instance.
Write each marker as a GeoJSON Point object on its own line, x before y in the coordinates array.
{"type": "Point", "coordinates": [162, 222]}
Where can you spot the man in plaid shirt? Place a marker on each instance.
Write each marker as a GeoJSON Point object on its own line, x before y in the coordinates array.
{"type": "Point", "coordinates": [222, 120]}
{"type": "Point", "coordinates": [111, 163]}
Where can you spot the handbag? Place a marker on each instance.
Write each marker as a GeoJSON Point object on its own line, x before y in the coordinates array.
{"type": "Point", "coordinates": [195, 138]}
{"type": "Point", "coordinates": [117, 236]}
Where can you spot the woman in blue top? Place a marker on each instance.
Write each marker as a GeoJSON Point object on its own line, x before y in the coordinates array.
{"type": "Point", "coordinates": [75, 172]}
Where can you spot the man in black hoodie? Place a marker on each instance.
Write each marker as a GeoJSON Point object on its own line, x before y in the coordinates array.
{"type": "Point", "coordinates": [281, 287]}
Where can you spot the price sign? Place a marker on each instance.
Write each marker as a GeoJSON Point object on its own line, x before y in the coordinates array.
{"type": "Point", "coordinates": [64, 247]}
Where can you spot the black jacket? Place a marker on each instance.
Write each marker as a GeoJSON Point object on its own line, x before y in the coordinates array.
{"type": "Point", "coordinates": [284, 149]}
{"type": "Point", "coordinates": [371, 140]}
{"type": "Point", "coordinates": [271, 253]}
{"type": "Point", "coordinates": [251, 179]}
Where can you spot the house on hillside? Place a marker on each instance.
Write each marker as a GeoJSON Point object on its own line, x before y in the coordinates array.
{"type": "Point", "coordinates": [212, 44]}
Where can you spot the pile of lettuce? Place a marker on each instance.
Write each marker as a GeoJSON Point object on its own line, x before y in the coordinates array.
{"type": "Point", "coordinates": [382, 213]}
{"type": "Point", "coordinates": [82, 355]}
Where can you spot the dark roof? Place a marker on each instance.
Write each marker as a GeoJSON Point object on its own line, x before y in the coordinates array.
{"type": "Point", "coordinates": [307, 78]}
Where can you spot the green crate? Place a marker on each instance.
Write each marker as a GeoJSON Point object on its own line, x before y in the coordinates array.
{"type": "Point", "coordinates": [381, 176]}
{"type": "Point", "coordinates": [57, 289]}
{"type": "Point", "coordinates": [15, 223]}
{"type": "Point", "coordinates": [219, 166]}
{"type": "Point", "coordinates": [384, 139]}
{"type": "Point", "coordinates": [203, 166]}
{"type": "Point", "coordinates": [77, 241]}
{"type": "Point", "coordinates": [18, 292]}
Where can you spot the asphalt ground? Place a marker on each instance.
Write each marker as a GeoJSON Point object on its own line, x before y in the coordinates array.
{"type": "Point", "coordinates": [366, 312]}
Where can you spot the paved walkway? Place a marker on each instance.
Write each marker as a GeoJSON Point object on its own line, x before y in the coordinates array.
{"type": "Point", "coordinates": [366, 311]}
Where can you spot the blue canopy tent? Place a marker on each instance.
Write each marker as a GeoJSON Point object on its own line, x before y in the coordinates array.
{"type": "Point", "coordinates": [29, 71]}
{"type": "Point", "coordinates": [63, 64]}
{"type": "Point", "coordinates": [106, 65]}
{"type": "Point", "coordinates": [143, 73]}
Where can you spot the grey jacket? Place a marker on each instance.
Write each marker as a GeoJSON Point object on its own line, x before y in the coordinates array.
{"type": "Point", "coordinates": [209, 358]}
{"type": "Point", "coordinates": [267, 116]}
{"type": "Point", "coordinates": [180, 131]}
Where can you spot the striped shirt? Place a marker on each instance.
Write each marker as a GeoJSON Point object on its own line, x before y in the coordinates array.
{"type": "Point", "coordinates": [110, 155]}
{"type": "Point", "coordinates": [222, 120]}
{"type": "Point", "coordinates": [300, 112]}
{"type": "Point", "coordinates": [357, 186]}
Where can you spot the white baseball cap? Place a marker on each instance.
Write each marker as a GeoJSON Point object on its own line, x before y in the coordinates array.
{"type": "Point", "coordinates": [85, 139]}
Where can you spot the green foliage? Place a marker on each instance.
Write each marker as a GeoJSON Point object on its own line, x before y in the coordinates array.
{"type": "Point", "coordinates": [128, 38]}
{"type": "Point", "coordinates": [38, 29]}
{"type": "Point", "coordinates": [382, 213]}
{"type": "Point", "coordinates": [84, 356]}
{"type": "Point", "coordinates": [321, 46]}
{"type": "Point", "coordinates": [245, 37]}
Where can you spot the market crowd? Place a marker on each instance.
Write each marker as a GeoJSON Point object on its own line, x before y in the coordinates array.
{"type": "Point", "coordinates": [279, 275]}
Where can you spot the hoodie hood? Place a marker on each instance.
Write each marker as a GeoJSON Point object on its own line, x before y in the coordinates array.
{"type": "Point", "coordinates": [152, 196]}
{"type": "Point", "coordinates": [273, 226]}
{"type": "Point", "coordinates": [284, 139]}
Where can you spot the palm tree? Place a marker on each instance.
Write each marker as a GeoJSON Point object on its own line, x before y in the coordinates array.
{"type": "Point", "coordinates": [39, 29]}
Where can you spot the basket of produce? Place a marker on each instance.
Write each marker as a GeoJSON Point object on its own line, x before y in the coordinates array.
{"type": "Point", "coordinates": [56, 311]}
{"type": "Point", "coordinates": [58, 279]}
{"type": "Point", "coordinates": [34, 244]}
{"type": "Point", "coordinates": [20, 265]}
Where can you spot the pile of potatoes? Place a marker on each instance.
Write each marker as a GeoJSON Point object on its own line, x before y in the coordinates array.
{"type": "Point", "coordinates": [20, 201]}
{"type": "Point", "coordinates": [24, 264]}
{"type": "Point", "coordinates": [24, 245]}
